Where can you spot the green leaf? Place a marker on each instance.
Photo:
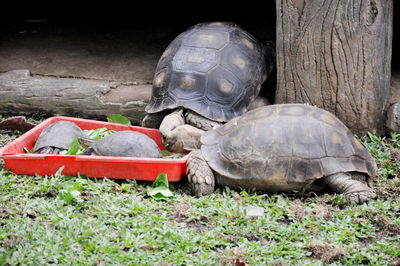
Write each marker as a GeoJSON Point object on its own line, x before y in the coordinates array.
{"type": "Point", "coordinates": [174, 156]}
{"type": "Point", "coordinates": [165, 152]}
{"type": "Point", "coordinates": [115, 118]}
{"type": "Point", "coordinates": [70, 196]}
{"type": "Point", "coordinates": [171, 155]}
{"type": "Point", "coordinates": [95, 133]}
{"type": "Point", "coordinates": [71, 191]}
{"type": "Point", "coordinates": [58, 174]}
{"type": "Point", "coordinates": [159, 193]}
{"type": "Point", "coordinates": [73, 149]}
{"type": "Point", "coordinates": [160, 188]}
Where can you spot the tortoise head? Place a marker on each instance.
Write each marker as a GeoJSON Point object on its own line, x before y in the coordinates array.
{"type": "Point", "coordinates": [85, 142]}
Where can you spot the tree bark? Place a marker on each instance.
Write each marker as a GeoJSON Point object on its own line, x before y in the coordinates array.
{"type": "Point", "coordinates": [336, 54]}
{"type": "Point", "coordinates": [21, 93]}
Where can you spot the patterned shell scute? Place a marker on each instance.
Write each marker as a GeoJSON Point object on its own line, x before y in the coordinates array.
{"type": "Point", "coordinates": [283, 147]}
{"type": "Point", "coordinates": [215, 69]}
{"type": "Point", "coordinates": [59, 135]}
{"type": "Point", "coordinates": [127, 143]}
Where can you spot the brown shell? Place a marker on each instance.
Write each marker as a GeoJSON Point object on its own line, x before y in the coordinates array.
{"type": "Point", "coordinates": [214, 69]}
{"type": "Point", "coordinates": [283, 147]}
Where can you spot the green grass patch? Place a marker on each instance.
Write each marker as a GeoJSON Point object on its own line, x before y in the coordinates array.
{"type": "Point", "coordinates": [64, 219]}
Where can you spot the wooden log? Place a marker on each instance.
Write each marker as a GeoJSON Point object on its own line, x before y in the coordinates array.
{"type": "Point", "coordinates": [21, 93]}
{"type": "Point", "coordinates": [336, 55]}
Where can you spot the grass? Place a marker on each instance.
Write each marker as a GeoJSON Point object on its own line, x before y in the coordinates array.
{"type": "Point", "coordinates": [107, 222]}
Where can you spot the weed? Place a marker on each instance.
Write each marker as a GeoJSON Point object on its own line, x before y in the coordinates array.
{"type": "Point", "coordinates": [64, 219]}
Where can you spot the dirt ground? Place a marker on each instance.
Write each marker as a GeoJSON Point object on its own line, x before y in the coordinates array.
{"type": "Point", "coordinates": [127, 55]}
{"type": "Point", "coordinates": [113, 41]}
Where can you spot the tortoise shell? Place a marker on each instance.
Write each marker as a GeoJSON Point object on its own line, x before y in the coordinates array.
{"type": "Point", "coordinates": [58, 135]}
{"type": "Point", "coordinates": [283, 147]}
{"type": "Point", "coordinates": [125, 143]}
{"type": "Point", "coordinates": [215, 69]}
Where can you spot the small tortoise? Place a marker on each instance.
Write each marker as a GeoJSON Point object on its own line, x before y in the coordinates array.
{"type": "Point", "coordinates": [57, 137]}
{"type": "Point", "coordinates": [207, 75]}
{"type": "Point", "coordinates": [125, 143]}
{"type": "Point", "coordinates": [283, 148]}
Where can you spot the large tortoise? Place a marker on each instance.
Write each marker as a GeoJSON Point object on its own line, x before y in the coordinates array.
{"type": "Point", "coordinates": [283, 148]}
{"type": "Point", "coordinates": [126, 143]}
{"type": "Point", "coordinates": [57, 137]}
{"type": "Point", "coordinates": [208, 75]}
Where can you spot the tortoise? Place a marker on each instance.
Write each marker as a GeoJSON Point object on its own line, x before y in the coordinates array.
{"type": "Point", "coordinates": [207, 75]}
{"type": "Point", "coordinates": [280, 148]}
{"type": "Point", "coordinates": [57, 137]}
{"type": "Point", "coordinates": [126, 143]}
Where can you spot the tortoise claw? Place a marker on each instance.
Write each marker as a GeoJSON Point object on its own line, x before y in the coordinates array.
{"type": "Point", "coordinates": [200, 176]}
{"type": "Point", "coordinates": [361, 196]}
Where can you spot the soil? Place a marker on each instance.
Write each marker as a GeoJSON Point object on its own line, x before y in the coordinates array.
{"type": "Point", "coordinates": [325, 253]}
{"type": "Point", "coordinates": [127, 55]}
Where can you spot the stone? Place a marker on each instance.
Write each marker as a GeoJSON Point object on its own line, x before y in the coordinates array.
{"type": "Point", "coordinates": [254, 211]}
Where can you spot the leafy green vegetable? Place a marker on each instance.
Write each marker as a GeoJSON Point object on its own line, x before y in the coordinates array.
{"type": "Point", "coordinates": [115, 118]}
{"type": "Point", "coordinates": [171, 155]}
{"type": "Point", "coordinates": [73, 149]}
{"type": "Point", "coordinates": [28, 151]}
{"type": "Point", "coordinates": [95, 134]}
{"type": "Point", "coordinates": [98, 133]}
{"type": "Point", "coordinates": [160, 188]}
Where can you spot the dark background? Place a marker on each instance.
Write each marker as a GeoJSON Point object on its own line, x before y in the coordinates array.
{"type": "Point", "coordinates": [256, 16]}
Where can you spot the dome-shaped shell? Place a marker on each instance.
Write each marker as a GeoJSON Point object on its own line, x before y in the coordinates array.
{"type": "Point", "coordinates": [215, 69]}
{"type": "Point", "coordinates": [282, 148]}
{"type": "Point", "coordinates": [58, 135]}
{"type": "Point", "coordinates": [125, 143]}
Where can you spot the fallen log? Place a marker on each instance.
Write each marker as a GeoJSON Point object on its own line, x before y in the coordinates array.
{"type": "Point", "coordinates": [21, 94]}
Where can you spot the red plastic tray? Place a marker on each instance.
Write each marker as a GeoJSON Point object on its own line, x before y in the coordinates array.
{"type": "Point", "coordinates": [93, 166]}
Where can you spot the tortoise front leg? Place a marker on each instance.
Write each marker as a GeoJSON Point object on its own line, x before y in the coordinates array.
{"type": "Point", "coordinates": [177, 136]}
{"type": "Point", "coordinates": [199, 121]}
{"type": "Point", "coordinates": [183, 139]}
{"type": "Point", "coordinates": [356, 191]}
{"type": "Point", "coordinates": [45, 150]}
{"type": "Point", "coordinates": [200, 175]}
{"type": "Point", "coordinates": [171, 121]}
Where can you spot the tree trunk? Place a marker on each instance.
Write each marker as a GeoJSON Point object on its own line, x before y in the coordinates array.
{"type": "Point", "coordinates": [21, 93]}
{"type": "Point", "coordinates": [336, 54]}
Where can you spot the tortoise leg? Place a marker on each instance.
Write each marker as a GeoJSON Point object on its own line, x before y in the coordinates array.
{"type": "Point", "coordinates": [356, 190]}
{"type": "Point", "coordinates": [46, 150]}
{"type": "Point", "coordinates": [177, 136]}
{"type": "Point", "coordinates": [199, 121]}
{"type": "Point", "coordinates": [201, 177]}
{"type": "Point", "coordinates": [183, 139]}
{"type": "Point", "coordinates": [171, 121]}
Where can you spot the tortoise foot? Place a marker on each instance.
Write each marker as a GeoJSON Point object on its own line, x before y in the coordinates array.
{"type": "Point", "coordinates": [355, 188]}
{"type": "Point", "coordinates": [200, 176]}
{"type": "Point", "coordinates": [361, 196]}
{"type": "Point", "coordinates": [183, 139]}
